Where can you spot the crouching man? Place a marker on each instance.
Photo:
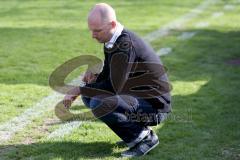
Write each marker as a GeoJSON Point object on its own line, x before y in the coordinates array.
{"type": "Point", "coordinates": [131, 92]}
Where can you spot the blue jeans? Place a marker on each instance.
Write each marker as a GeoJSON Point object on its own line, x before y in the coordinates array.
{"type": "Point", "coordinates": [127, 116]}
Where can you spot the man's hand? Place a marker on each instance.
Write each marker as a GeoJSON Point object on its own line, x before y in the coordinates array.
{"type": "Point", "coordinates": [89, 77]}
{"type": "Point", "coordinates": [70, 97]}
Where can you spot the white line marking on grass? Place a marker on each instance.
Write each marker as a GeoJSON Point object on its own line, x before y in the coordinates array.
{"type": "Point", "coordinates": [202, 25]}
{"type": "Point", "coordinates": [18, 123]}
{"type": "Point", "coordinates": [8, 129]}
{"type": "Point", "coordinates": [186, 35]}
{"type": "Point", "coordinates": [64, 129]}
{"type": "Point", "coordinates": [178, 23]}
{"type": "Point", "coordinates": [229, 7]}
{"type": "Point", "coordinates": [164, 51]}
{"type": "Point", "coordinates": [217, 14]}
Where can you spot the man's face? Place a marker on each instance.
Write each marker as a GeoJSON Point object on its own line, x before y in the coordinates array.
{"type": "Point", "coordinates": [100, 31]}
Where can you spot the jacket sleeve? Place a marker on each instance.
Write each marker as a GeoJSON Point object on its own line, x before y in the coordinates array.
{"type": "Point", "coordinates": [121, 65]}
{"type": "Point", "coordinates": [105, 71]}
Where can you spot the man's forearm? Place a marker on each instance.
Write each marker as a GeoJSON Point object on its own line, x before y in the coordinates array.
{"type": "Point", "coordinates": [74, 92]}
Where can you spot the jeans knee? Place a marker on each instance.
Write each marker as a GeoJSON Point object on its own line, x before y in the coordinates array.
{"type": "Point", "coordinates": [86, 101]}
{"type": "Point", "coordinates": [91, 102]}
{"type": "Point", "coordinates": [94, 103]}
{"type": "Point", "coordinates": [114, 118]}
{"type": "Point", "coordinates": [103, 106]}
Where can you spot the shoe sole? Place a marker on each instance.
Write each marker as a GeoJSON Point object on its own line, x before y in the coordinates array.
{"type": "Point", "coordinates": [155, 145]}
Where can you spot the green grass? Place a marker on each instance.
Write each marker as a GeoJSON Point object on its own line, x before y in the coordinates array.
{"type": "Point", "coordinates": [38, 36]}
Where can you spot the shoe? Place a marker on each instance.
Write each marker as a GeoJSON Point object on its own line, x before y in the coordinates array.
{"type": "Point", "coordinates": [142, 135]}
{"type": "Point", "coordinates": [142, 148]}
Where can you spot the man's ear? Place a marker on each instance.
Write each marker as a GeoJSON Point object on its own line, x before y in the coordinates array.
{"type": "Point", "coordinates": [114, 24]}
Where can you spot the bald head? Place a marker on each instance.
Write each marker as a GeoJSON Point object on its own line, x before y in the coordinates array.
{"type": "Point", "coordinates": [102, 22]}
{"type": "Point", "coordinates": [102, 12]}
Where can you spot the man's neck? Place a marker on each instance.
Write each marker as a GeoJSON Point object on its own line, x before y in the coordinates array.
{"type": "Point", "coordinates": [114, 35]}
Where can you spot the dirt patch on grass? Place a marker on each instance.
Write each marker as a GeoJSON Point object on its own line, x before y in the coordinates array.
{"type": "Point", "coordinates": [40, 131]}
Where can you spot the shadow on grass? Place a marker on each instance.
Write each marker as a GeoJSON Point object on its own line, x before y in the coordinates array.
{"type": "Point", "coordinates": [64, 150]}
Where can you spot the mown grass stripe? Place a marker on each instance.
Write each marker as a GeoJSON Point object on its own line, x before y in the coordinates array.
{"type": "Point", "coordinates": [186, 35]}
{"type": "Point", "coordinates": [229, 7]}
{"type": "Point", "coordinates": [179, 23]}
{"type": "Point", "coordinates": [217, 14]}
{"type": "Point", "coordinates": [164, 51]}
{"type": "Point", "coordinates": [202, 25]}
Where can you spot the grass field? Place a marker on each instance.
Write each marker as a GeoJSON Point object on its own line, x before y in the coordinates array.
{"type": "Point", "coordinates": [203, 66]}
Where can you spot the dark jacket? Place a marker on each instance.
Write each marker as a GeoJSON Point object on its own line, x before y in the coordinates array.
{"type": "Point", "coordinates": [131, 67]}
